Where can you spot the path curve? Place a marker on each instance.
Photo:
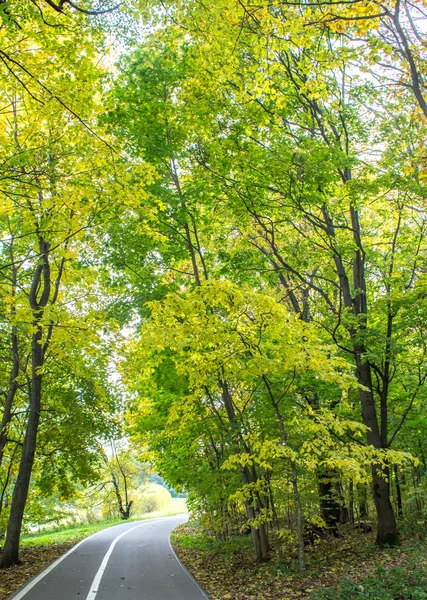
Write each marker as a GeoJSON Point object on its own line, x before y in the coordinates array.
{"type": "Point", "coordinates": [131, 561]}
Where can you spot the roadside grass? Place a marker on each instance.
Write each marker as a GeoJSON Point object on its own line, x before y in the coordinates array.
{"type": "Point", "coordinates": [347, 568]}
{"type": "Point", "coordinates": [191, 538]}
{"type": "Point", "coordinates": [78, 531]}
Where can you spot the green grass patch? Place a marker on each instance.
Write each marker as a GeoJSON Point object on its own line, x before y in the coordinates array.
{"type": "Point", "coordinates": [69, 534]}
{"type": "Point", "coordinates": [406, 581]}
{"type": "Point", "coordinates": [198, 539]}
{"type": "Point", "coordinates": [78, 531]}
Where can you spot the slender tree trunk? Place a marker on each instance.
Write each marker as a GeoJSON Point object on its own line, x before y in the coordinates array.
{"type": "Point", "coordinates": [351, 502]}
{"type": "Point", "coordinates": [6, 481]}
{"type": "Point", "coordinates": [357, 303]}
{"type": "Point", "coordinates": [13, 386]}
{"type": "Point", "coordinates": [377, 433]}
{"type": "Point", "coordinates": [297, 497]}
{"type": "Point", "coordinates": [115, 483]}
{"type": "Point", "coordinates": [363, 504]}
{"type": "Point", "coordinates": [189, 241]}
{"type": "Point", "coordinates": [275, 516]}
{"type": "Point", "coordinates": [263, 531]}
{"type": "Point", "coordinates": [398, 493]}
{"type": "Point", "coordinates": [125, 514]}
{"type": "Point", "coordinates": [253, 508]}
{"type": "Point", "coordinates": [20, 493]}
{"type": "Point", "coordinates": [258, 534]}
{"type": "Point", "coordinates": [415, 487]}
{"type": "Point", "coordinates": [14, 372]}
{"type": "Point", "coordinates": [255, 533]}
{"type": "Point", "coordinates": [422, 455]}
{"type": "Point", "coordinates": [300, 523]}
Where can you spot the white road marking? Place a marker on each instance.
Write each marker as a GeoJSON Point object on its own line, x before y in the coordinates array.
{"type": "Point", "coordinates": [97, 579]}
{"type": "Point", "coordinates": [43, 574]}
{"type": "Point", "coordinates": [22, 593]}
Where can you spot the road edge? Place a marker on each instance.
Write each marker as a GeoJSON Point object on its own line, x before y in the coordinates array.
{"type": "Point", "coordinates": [184, 568]}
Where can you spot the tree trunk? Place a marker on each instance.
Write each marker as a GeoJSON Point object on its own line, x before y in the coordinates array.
{"type": "Point", "coordinates": [124, 509]}
{"type": "Point", "coordinates": [386, 522]}
{"type": "Point", "coordinates": [297, 497]}
{"type": "Point", "coordinates": [276, 522]}
{"type": "Point", "coordinates": [125, 512]}
{"type": "Point", "coordinates": [13, 386]}
{"type": "Point", "coordinates": [38, 298]}
{"type": "Point", "coordinates": [343, 510]}
{"type": "Point", "coordinates": [329, 506]}
{"type": "Point", "coordinates": [300, 525]}
{"type": "Point", "coordinates": [259, 533]}
{"type": "Point", "coordinates": [351, 502]}
{"type": "Point", "coordinates": [20, 493]}
{"type": "Point", "coordinates": [258, 538]}
{"type": "Point", "coordinates": [4, 496]}
{"type": "Point", "coordinates": [398, 493]}
{"type": "Point", "coordinates": [376, 436]}
{"type": "Point", "coordinates": [387, 529]}
{"type": "Point", "coordinates": [253, 508]}
{"type": "Point", "coordinates": [363, 504]}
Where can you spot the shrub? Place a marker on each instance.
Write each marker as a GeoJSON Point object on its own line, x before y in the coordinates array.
{"type": "Point", "coordinates": [150, 498]}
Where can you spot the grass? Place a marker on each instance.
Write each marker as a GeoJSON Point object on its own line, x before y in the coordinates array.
{"type": "Point", "coordinates": [205, 543]}
{"type": "Point", "coordinates": [405, 579]}
{"type": "Point", "coordinates": [78, 531]}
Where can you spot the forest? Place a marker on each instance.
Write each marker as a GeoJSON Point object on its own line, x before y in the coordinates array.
{"type": "Point", "coordinates": [213, 265]}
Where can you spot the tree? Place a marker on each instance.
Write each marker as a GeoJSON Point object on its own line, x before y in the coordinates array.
{"type": "Point", "coordinates": [225, 368]}
{"type": "Point", "coordinates": [281, 105]}
{"type": "Point", "coordinates": [53, 206]}
{"type": "Point", "coordinates": [123, 474]}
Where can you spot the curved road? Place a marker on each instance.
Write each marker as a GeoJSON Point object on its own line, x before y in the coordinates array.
{"type": "Point", "coordinates": [131, 561]}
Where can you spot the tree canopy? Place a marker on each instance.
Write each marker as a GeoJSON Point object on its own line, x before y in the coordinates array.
{"type": "Point", "coordinates": [213, 225]}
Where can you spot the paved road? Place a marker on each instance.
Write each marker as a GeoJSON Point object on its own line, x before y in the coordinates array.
{"type": "Point", "coordinates": [133, 561]}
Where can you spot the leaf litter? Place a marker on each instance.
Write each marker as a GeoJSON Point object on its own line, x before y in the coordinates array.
{"type": "Point", "coordinates": [237, 576]}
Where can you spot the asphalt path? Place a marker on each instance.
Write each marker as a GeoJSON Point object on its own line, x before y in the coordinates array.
{"type": "Point", "coordinates": [131, 561]}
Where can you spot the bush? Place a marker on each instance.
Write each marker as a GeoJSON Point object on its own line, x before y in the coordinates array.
{"type": "Point", "coordinates": [150, 498]}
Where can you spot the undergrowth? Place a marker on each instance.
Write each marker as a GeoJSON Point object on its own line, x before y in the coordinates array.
{"type": "Point", "coordinates": [348, 568]}
{"type": "Point", "coordinates": [407, 582]}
